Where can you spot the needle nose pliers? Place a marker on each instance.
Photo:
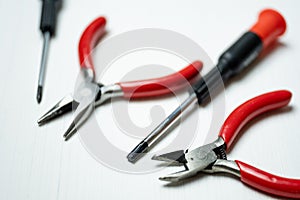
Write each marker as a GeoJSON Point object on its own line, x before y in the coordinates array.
{"type": "Point", "coordinates": [90, 93]}
{"type": "Point", "coordinates": [211, 158]}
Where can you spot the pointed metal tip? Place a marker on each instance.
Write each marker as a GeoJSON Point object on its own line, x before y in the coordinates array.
{"type": "Point", "coordinates": [167, 161]}
{"type": "Point", "coordinates": [162, 178]}
{"type": "Point", "coordinates": [172, 157]}
{"type": "Point", "coordinates": [63, 106]}
{"type": "Point", "coordinates": [155, 157]}
{"type": "Point", "coordinates": [40, 121]}
{"type": "Point", "coordinates": [43, 120]}
{"type": "Point", "coordinates": [39, 94]}
{"type": "Point", "coordinates": [178, 176]}
{"type": "Point", "coordinates": [168, 178]}
{"type": "Point", "coordinates": [70, 131]}
{"type": "Point", "coordinates": [68, 136]}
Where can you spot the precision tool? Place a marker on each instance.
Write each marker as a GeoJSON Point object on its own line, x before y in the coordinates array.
{"type": "Point", "coordinates": [211, 158]}
{"type": "Point", "coordinates": [240, 55]}
{"type": "Point", "coordinates": [47, 26]}
{"type": "Point", "coordinates": [100, 93]}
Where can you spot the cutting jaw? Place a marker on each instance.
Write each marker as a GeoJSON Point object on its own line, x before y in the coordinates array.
{"type": "Point", "coordinates": [209, 158]}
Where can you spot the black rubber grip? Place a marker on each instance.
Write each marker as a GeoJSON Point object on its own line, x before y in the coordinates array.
{"type": "Point", "coordinates": [49, 14]}
{"type": "Point", "coordinates": [236, 58]}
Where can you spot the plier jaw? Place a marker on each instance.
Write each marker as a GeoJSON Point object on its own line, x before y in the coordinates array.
{"type": "Point", "coordinates": [63, 106]}
{"type": "Point", "coordinates": [99, 94]}
{"type": "Point", "coordinates": [68, 103]}
{"type": "Point", "coordinates": [195, 161]}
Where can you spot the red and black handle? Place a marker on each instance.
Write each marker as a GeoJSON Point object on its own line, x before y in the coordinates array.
{"type": "Point", "coordinates": [250, 175]}
{"type": "Point", "coordinates": [242, 53]}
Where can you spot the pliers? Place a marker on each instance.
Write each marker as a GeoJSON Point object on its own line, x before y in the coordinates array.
{"type": "Point", "coordinates": [89, 93]}
{"type": "Point", "coordinates": [211, 158]}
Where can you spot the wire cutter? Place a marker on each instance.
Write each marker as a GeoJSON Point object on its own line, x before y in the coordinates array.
{"type": "Point", "coordinates": [211, 158]}
{"type": "Point", "coordinates": [89, 93]}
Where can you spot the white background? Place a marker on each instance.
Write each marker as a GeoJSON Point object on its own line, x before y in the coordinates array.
{"type": "Point", "coordinates": [37, 164]}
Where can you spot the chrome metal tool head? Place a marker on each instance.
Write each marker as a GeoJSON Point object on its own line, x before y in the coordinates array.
{"type": "Point", "coordinates": [63, 106]}
{"type": "Point", "coordinates": [194, 161]}
{"type": "Point", "coordinates": [86, 95]}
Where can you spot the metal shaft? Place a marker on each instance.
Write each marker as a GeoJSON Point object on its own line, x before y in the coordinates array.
{"type": "Point", "coordinates": [47, 37]}
{"type": "Point", "coordinates": [172, 118]}
{"type": "Point", "coordinates": [160, 130]}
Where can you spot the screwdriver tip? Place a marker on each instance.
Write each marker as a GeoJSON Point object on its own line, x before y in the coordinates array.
{"type": "Point", "coordinates": [137, 152]}
{"type": "Point", "coordinates": [39, 94]}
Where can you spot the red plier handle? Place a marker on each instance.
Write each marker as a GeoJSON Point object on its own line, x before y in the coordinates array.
{"type": "Point", "coordinates": [141, 88]}
{"type": "Point", "coordinates": [162, 85]}
{"type": "Point", "coordinates": [250, 175]}
{"type": "Point", "coordinates": [88, 41]}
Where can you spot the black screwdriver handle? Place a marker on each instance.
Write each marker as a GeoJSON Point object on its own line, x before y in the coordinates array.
{"type": "Point", "coordinates": [50, 9]}
{"type": "Point", "coordinates": [242, 53]}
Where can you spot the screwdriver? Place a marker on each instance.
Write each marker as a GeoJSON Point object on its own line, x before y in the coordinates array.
{"type": "Point", "coordinates": [47, 26]}
{"type": "Point", "coordinates": [236, 58]}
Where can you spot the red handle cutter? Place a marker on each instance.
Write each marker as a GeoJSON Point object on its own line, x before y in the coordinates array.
{"type": "Point", "coordinates": [84, 101]}
{"type": "Point", "coordinates": [211, 158]}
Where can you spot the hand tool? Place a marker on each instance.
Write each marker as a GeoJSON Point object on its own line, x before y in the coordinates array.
{"type": "Point", "coordinates": [211, 158]}
{"type": "Point", "coordinates": [47, 26]}
{"type": "Point", "coordinates": [130, 90]}
{"type": "Point", "coordinates": [240, 55]}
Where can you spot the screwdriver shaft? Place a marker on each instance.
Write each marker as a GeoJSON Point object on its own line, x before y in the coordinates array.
{"type": "Point", "coordinates": [172, 118]}
{"type": "Point", "coordinates": [47, 37]}
{"type": "Point", "coordinates": [160, 130]}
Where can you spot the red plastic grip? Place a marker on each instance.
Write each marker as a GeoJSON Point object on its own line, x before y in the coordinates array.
{"type": "Point", "coordinates": [270, 26]}
{"type": "Point", "coordinates": [163, 85]}
{"type": "Point", "coordinates": [272, 184]}
{"type": "Point", "coordinates": [88, 41]}
{"type": "Point", "coordinates": [250, 109]}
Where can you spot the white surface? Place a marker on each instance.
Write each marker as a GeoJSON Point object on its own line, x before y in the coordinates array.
{"type": "Point", "coordinates": [37, 164]}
